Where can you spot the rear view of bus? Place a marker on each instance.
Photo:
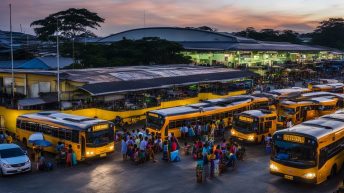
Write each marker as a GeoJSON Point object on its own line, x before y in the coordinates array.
{"type": "Point", "coordinates": [311, 151]}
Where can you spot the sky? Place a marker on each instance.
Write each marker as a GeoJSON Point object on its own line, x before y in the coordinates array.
{"type": "Point", "coordinates": [224, 15]}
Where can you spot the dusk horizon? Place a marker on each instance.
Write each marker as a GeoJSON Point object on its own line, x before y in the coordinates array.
{"type": "Point", "coordinates": [229, 16]}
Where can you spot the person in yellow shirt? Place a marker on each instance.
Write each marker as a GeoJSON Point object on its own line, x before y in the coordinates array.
{"type": "Point", "coordinates": [211, 159]}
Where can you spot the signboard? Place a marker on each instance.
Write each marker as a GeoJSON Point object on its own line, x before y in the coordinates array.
{"type": "Point", "coordinates": [100, 127]}
{"type": "Point", "coordinates": [294, 138]}
{"type": "Point", "coordinates": [246, 119]}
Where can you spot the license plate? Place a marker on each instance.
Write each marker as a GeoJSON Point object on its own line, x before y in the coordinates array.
{"type": "Point", "coordinates": [19, 170]}
{"type": "Point", "coordinates": [103, 155]}
{"type": "Point", "coordinates": [288, 177]}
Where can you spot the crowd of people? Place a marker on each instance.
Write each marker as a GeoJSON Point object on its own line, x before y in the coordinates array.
{"type": "Point", "coordinates": [213, 159]}
{"type": "Point", "coordinates": [140, 146]}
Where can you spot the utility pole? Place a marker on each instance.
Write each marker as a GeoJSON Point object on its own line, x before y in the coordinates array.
{"type": "Point", "coordinates": [58, 63]}
{"type": "Point", "coordinates": [12, 65]}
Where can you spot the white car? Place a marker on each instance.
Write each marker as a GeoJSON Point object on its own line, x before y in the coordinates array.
{"type": "Point", "coordinates": [13, 160]}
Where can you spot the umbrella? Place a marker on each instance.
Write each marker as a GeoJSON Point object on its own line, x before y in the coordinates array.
{"type": "Point", "coordinates": [35, 137]}
{"type": "Point", "coordinates": [38, 139]}
{"type": "Point", "coordinates": [42, 143]}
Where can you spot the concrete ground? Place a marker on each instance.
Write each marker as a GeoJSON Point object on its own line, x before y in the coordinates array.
{"type": "Point", "coordinates": [112, 175]}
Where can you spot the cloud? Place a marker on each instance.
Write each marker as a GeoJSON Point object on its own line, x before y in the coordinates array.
{"type": "Point", "coordinates": [127, 14]}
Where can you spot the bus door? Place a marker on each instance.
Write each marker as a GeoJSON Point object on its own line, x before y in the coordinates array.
{"type": "Point", "coordinates": [310, 112]}
{"type": "Point", "coordinates": [83, 144]}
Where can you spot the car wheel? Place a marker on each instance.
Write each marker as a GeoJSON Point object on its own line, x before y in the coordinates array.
{"type": "Point", "coordinates": [2, 173]}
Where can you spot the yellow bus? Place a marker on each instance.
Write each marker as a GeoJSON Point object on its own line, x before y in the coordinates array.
{"type": "Point", "coordinates": [300, 110]}
{"type": "Point", "coordinates": [169, 120]}
{"type": "Point", "coordinates": [254, 125]}
{"type": "Point", "coordinates": [334, 87]}
{"type": "Point", "coordinates": [311, 151]}
{"type": "Point", "coordinates": [280, 94]}
{"type": "Point", "coordinates": [89, 137]}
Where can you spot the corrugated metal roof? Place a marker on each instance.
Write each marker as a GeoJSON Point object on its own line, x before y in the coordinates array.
{"type": "Point", "coordinates": [143, 84]}
{"type": "Point", "coordinates": [8, 65]}
{"type": "Point", "coordinates": [46, 63]}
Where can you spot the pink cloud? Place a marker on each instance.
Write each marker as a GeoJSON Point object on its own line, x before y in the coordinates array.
{"type": "Point", "coordinates": [127, 14]}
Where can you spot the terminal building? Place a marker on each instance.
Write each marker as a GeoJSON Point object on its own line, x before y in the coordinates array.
{"type": "Point", "coordinates": [222, 48]}
{"type": "Point", "coordinates": [127, 92]}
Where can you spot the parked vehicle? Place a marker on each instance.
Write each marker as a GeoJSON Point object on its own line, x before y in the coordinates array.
{"type": "Point", "coordinates": [13, 160]}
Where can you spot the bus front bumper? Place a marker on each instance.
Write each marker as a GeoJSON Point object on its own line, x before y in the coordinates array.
{"type": "Point", "coordinates": [294, 178]}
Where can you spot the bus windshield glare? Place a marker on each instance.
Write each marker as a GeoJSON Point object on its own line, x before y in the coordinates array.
{"type": "Point", "coordinates": [244, 126]}
{"type": "Point", "coordinates": [155, 121]}
{"type": "Point", "coordinates": [294, 153]}
{"type": "Point", "coordinates": [99, 138]}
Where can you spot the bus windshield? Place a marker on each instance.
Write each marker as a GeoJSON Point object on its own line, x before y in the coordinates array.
{"type": "Point", "coordinates": [289, 111]}
{"type": "Point", "coordinates": [245, 126]}
{"type": "Point", "coordinates": [295, 154]}
{"type": "Point", "coordinates": [155, 121]}
{"type": "Point", "coordinates": [99, 138]}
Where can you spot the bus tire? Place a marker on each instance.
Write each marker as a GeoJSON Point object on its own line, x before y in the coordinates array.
{"type": "Point", "coordinates": [24, 142]}
{"type": "Point", "coordinates": [333, 171]}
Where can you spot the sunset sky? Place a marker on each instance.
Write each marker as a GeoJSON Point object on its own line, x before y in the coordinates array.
{"type": "Point", "coordinates": [225, 15]}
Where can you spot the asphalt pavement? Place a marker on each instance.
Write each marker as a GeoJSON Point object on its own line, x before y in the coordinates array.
{"type": "Point", "coordinates": [112, 175]}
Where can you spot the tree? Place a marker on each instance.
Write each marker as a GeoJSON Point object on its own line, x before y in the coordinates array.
{"type": "Point", "coordinates": [72, 22]}
{"type": "Point", "coordinates": [330, 33]}
{"type": "Point", "coordinates": [204, 28]}
{"type": "Point", "coordinates": [127, 52]}
{"type": "Point", "coordinates": [270, 35]}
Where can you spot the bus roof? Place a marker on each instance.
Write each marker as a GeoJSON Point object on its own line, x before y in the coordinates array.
{"type": "Point", "coordinates": [331, 85]}
{"type": "Point", "coordinates": [74, 121]}
{"type": "Point", "coordinates": [287, 91]}
{"type": "Point", "coordinates": [320, 99]}
{"type": "Point", "coordinates": [206, 105]}
{"type": "Point", "coordinates": [257, 113]}
{"type": "Point", "coordinates": [318, 127]}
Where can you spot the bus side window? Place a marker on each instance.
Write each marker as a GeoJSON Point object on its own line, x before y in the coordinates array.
{"type": "Point", "coordinates": [46, 129]}
{"type": "Point", "coordinates": [267, 126]}
{"type": "Point", "coordinates": [55, 132]}
{"type": "Point", "coordinates": [18, 123]}
{"type": "Point", "coordinates": [75, 136]}
{"type": "Point", "coordinates": [322, 157]}
{"type": "Point", "coordinates": [172, 124]}
{"type": "Point", "coordinates": [69, 135]}
{"type": "Point", "coordinates": [62, 133]}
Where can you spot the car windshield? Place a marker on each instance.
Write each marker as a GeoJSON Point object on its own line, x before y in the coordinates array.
{"type": "Point", "coordinates": [12, 152]}
{"type": "Point", "coordinates": [294, 153]}
{"type": "Point", "coordinates": [99, 138]}
{"type": "Point", "coordinates": [289, 111]}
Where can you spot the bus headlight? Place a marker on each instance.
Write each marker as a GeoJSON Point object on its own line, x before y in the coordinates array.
{"type": "Point", "coordinates": [309, 175]}
{"type": "Point", "coordinates": [111, 147]}
{"type": "Point", "coordinates": [233, 132]}
{"type": "Point", "coordinates": [250, 137]}
{"type": "Point", "coordinates": [273, 167]}
{"type": "Point", "coordinates": [89, 153]}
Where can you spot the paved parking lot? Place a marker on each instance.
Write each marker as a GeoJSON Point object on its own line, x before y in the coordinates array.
{"type": "Point", "coordinates": [112, 175]}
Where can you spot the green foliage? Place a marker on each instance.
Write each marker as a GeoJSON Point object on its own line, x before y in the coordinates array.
{"type": "Point", "coordinates": [127, 52]}
{"type": "Point", "coordinates": [330, 33]}
{"type": "Point", "coordinates": [72, 22]}
{"type": "Point", "coordinates": [270, 35]}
